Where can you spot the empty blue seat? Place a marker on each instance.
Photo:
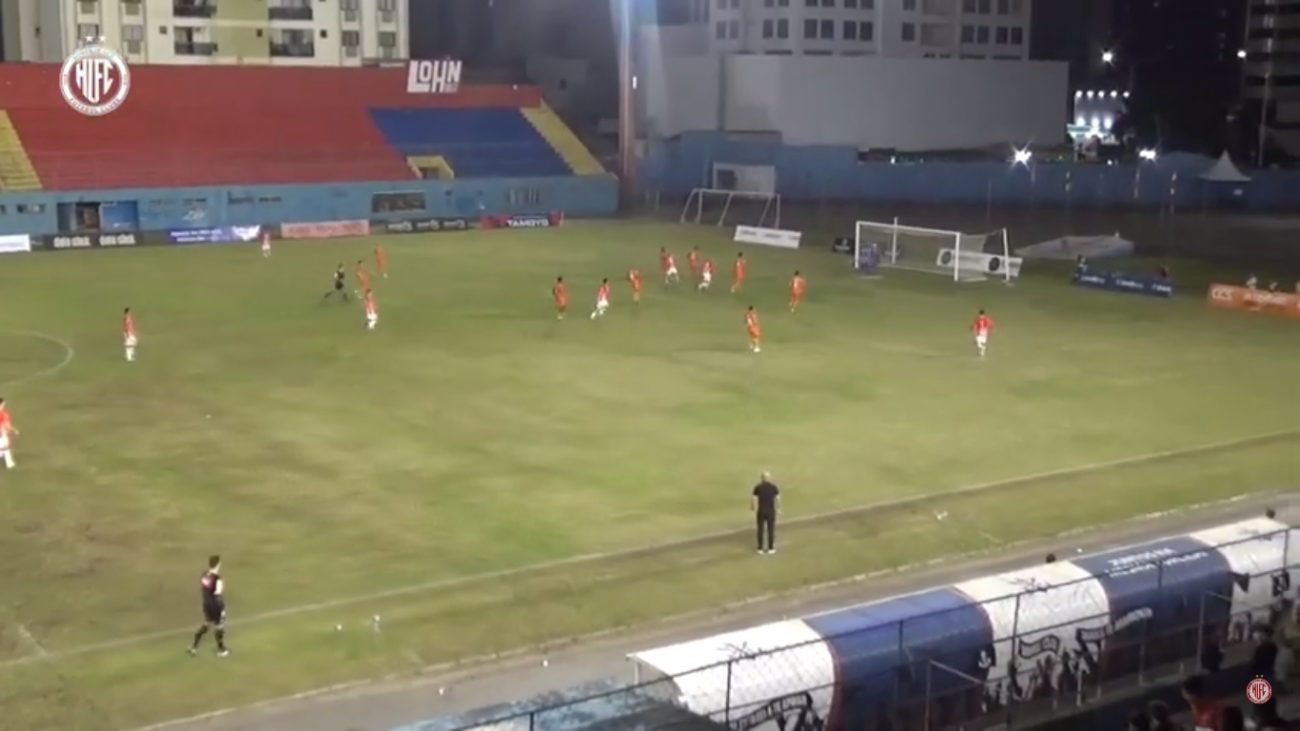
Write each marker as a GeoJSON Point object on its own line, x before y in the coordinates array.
{"type": "Point", "coordinates": [478, 143]}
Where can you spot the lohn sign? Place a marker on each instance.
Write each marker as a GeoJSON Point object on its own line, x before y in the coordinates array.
{"type": "Point", "coordinates": [94, 80]}
{"type": "Point", "coordinates": [433, 77]}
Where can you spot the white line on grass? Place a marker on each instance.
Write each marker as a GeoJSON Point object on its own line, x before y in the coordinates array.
{"type": "Point", "coordinates": [68, 354]}
{"type": "Point", "coordinates": [30, 640]}
{"type": "Point", "coordinates": [455, 581]}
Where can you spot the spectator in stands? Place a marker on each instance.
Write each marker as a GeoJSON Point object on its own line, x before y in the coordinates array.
{"type": "Point", "coordinates": [1161, 717]}
{"type": "Point", "coordinates": [1232, 719]}
{"type": "Point", "coordinates": [1205, 712]}
{"type": "Point", "coordinates": [1211, 652]}
{"type": "Point", "coordinates": [1162, 273]}
{"type": "Point", "coordinates": [1263, 660]}
{"type": "Point", "coordinates": [1252, 282]}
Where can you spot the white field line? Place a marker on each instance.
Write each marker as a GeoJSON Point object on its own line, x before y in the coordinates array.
{"type": "Point", "coordinates": [451, 582]}
{"type": "Point", "coordinates": [30, 640]}
{"type": "Point", "coordinates": [437, 672]}
{"type": "Point", "coordinates": [68, 354]}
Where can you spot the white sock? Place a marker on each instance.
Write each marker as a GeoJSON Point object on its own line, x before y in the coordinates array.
{"type": "Point", "coordinates": [9, 459]}
{"type": "Point", "coordinates": [130, 354]}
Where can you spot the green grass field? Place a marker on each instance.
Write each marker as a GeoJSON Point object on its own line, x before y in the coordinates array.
{"type": "Point", "coordinates": [344, 473]}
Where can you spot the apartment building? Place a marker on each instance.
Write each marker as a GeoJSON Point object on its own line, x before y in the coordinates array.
{"type": "Point", "coordinates": [1272, 69]}
{"type": "Point", "coordinates": [275, 32]}
{"type": "Point", "coordinates": [974, 29]}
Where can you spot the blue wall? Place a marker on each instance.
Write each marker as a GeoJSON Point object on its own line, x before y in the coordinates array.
{"type": "Point", "coordinates": [813, 172]}
{"type": "Point", "coordinates": [161, 209]}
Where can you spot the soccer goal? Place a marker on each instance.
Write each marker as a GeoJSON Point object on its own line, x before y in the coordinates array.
{"type": "Point", "coordinates": [962, 256]}
{"type": "Point", "coordinates": [732, 207]}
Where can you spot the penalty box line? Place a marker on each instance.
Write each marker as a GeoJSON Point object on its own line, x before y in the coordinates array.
{"type": "Point", "coordinates": [451, 582]}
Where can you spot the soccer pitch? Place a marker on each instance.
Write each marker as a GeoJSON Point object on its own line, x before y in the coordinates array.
{"type": "Point", "coordinates": [478, 473]}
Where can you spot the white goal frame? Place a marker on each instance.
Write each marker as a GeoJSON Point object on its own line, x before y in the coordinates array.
{"type": "Point", "coordinates": [889, 257]}
{"type": "Point", "coordinates": [693, 211]}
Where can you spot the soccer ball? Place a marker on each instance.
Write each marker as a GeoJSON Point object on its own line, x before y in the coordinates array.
{"type": "Point", "coordinates": [593, 315]}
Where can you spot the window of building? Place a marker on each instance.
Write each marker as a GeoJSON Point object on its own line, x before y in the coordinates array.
{"type": "Point", "coordinates": [850, 30]}
{"type": "Point", "coordinates": [387, 39]}
{"type": "Point", "coordinates": [1004, 7]}
{"type": "Point", "coordinates": [968, 6]}
{"type": "Point", "coordinates": [769, 28]}
{"type": "Point", "coordinates": [828, 3]}
{"type": "Point", "coordinates": [783, 3]}
{"type": "Point", "coordinates": [722, 4]}
{"type": "Point", "coordinates": [828, 30]}
{"type": "Point", "coordinates": [810, 3]}
{"type": "Point", "coordinates": [1017, 36]}
{"type": "Point", "coordinates": [783, 28]}
{"type": "Point", "coordinates": [769, 3]}
{"type": "Point", "coordinates": [87, 30]}
{"type": "Point", "coordinates": [1017, 7]}
{"type": "Point", "coordinates": [968, 34]}
{"type": "Point", "coordinates": [720, 30]}
{"type": "Point", "coordinates": [88, 7]}
{"type": "Point", "coordinates": [130, 7]}
{"type": "Point", "coordinates": [909, 32]}
{"type": "Point", "coordinates": [733, 29]}
{"type": "Point", "coordinates": [350, 38]}
{"type": "Point", "coordinates": [133, 32]}
{"type": "Point", "coordinates": [1001, 36]}
{"type": "Point", "coordinates": [349, 8]}
{"type": "Point", "coordinates": [392, 202]}
{"type": "Point", "coordinates": [810, 28]}
{"type": "Point", "coordinates": [909, 4]}
{"type": "Point", "coordinates": [850, 3]}
{"type": "Point", "coordinates": [984, 7]}
{"type": "Point", "coordinates": [866, 31]}
{"type": "Point", "coordinates": [982, 34]}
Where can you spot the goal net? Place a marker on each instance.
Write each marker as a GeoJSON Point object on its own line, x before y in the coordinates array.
{"type": "Point", "coordinates": [732, 207]}
{"type": "Point", "coordinates": [965, 257]}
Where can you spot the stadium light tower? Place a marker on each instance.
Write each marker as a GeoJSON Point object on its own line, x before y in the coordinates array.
{"type": "Point", "coordinates": [1021, 156]}
{"type": "Point", "coordinates": [1148, 154]}
{"type": "Point", "coordinates": [1108, 57]}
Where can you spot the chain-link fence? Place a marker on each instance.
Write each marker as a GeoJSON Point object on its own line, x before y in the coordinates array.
{"type": "Point", "coordinates": [1166, 614]}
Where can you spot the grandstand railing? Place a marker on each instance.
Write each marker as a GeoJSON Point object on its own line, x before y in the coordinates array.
{"type": "Point", "coordinates": [929, 692]}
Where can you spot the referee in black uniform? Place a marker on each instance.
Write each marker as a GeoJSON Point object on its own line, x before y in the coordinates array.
{"type": "Point", "coordinates": [765, 503]}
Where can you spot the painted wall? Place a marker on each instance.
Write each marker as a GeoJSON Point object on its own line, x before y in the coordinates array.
{"type": "Point", "coordinates": [864, 102]}
{"type": "Point", "coordinates": [166, 209]}
{"type": "Point", "coordinates": [825, 171]}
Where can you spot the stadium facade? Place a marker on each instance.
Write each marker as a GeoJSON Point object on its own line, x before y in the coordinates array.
{"type": "Point", "coordinates": [191, 32]}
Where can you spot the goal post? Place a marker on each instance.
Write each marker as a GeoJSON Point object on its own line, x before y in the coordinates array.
{"type": "Point", "coordinates": [723, 207]}
{"type": "Point", "coordinates": [953, 254]}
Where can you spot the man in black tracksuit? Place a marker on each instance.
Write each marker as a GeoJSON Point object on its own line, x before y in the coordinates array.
{"type": "Point", "coordinates": [766, 503]}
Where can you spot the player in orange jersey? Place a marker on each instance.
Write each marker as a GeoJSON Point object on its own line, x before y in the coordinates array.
{"type": "Point", "coordinates": [7, 430]}
{"type": "Point", "coordinates": [982, 326]}
{"type": "Point", "coordinates": [602, 300]}
{"type": "Point", "coordinates": [363, 277]}
{"type": "Point", "coordinates": [560, 293]}
{"type": "Point", "coordinates": [706, 275]}
{"type": "Point", "coordinates": [738, 272]}
{"type": "Point", "coordinates": [372, 310]}
{"type": "Point", "coordinates": [669, 266]}
{"type": "Point", "coordinates": [634, 276]}
{"type": "Point", "coordinates": [755, 334]}
{"type": "Point", "coordinates": [381, 261]}
{"type": "Point", "coordinates": [693, 260]}
{"type": "Point", "coordinates": [129, 338]}
{"type": "Point", "coordinates": [798, 285]}
{"type": "Point", "coordinates": [266, 244]}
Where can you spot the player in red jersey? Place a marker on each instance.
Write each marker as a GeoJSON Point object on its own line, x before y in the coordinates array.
{"type": "Point", "coordinates": [693, 260]}
{"type": "Point", "coordinates": [381, 261]}
{"type": "Point", "coordinates": [669, 266]}
{"type": "Point", "coordinates": [798, 285]}
{"type": "Point", "coordinates": [738, 272]}
{"type": "Point", "coordinates": [982, 326]}
{"type": "Point", "coordinates": [706, 275]}
{"type": "Point", "coordinates": [634, 276]}
{"type": "Point", "coordinates": [266, 244]}
{"type": "Point", "coordinates": [372, 310]}
{"type": "Point", "coordinates": [755, 334]}
{"type": "Point", "coordinates": [560, 293]}
{"type": "Point", "coordinates": [7, 430]}
{"type": "Point", "coordinates": [129, 338]}
{"type": "Point", "coordinates": [602, 300]}
{"type": "Point", "coordinates": [363, 277]}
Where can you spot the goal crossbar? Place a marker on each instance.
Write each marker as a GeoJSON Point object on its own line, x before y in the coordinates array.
{"type": "Point", "coordinates": [693, 211]}
{"type": "Point", "coordinates": [933, 250]}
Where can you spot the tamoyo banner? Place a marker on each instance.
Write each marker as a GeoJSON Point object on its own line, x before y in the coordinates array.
{"type": "Point", "coordinates": [324, 229]}
{"type": "Point", "coordinates": [780, 238]}
{"type": "Point", "coordinates": [975, 261]}
{"type": "Point", "coordinates": [15, 244]}
{"type": "Point", "coordinates": [421, 225]}
{"type": "Point", "coordinates": [529, 220]}
{"type": "Point", "coordinates": [1228, 297]}
{"type": "Point", "coordinates": [214, 235]}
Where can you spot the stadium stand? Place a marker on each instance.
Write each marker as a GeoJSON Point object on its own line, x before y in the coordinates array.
{"type": "Point", "coordinates": [245, 125]}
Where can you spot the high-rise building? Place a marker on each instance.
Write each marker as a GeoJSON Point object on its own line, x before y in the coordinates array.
{"type": "Point", "coordinates": [275, 32]}
{"type": "Point", "coordinates": [1272, 71]}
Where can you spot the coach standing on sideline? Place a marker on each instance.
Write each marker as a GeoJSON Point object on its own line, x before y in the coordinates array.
{"type": "Point", "coordinates": [765, 503]}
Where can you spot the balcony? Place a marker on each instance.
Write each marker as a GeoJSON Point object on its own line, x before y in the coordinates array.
{"type": "Point", "coordinates": [303, 12]}
{"type": "Point", "coordinates": [190, 48]}
{"type": "Point", "coordinates": [293, 50]}
{"type": "Point", "coordinates": [193, 10]}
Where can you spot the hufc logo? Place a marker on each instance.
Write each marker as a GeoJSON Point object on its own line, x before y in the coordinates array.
{"type": "Point", "coordinates": [1259, 691]}
{"type": "Point", "coordinates": [95, 80]}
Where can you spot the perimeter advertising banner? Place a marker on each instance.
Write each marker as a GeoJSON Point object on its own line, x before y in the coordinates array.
{"type": "Point", "coordinates": [1120, 282]}
{"type": "Point", "coordinates": [420, 225]}
{"type": "Point", "coordinates": [15, 244]}
{"type": "Point", "coordinates": [214, 235]}
{"type": "Point", "coordinates": [65, 242]}
{"type": "Point", "coordinates": [325, 229]}
{"type": "Point", "coordinates": [1228, 297]}
{"type": "Point", "coordinates": [525, 220]}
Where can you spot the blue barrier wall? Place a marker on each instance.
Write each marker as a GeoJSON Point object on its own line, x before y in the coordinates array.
{"type": "Point", "coordinates": [815, 172]}
{"type": "Point", "coordinates": [160, 209]}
